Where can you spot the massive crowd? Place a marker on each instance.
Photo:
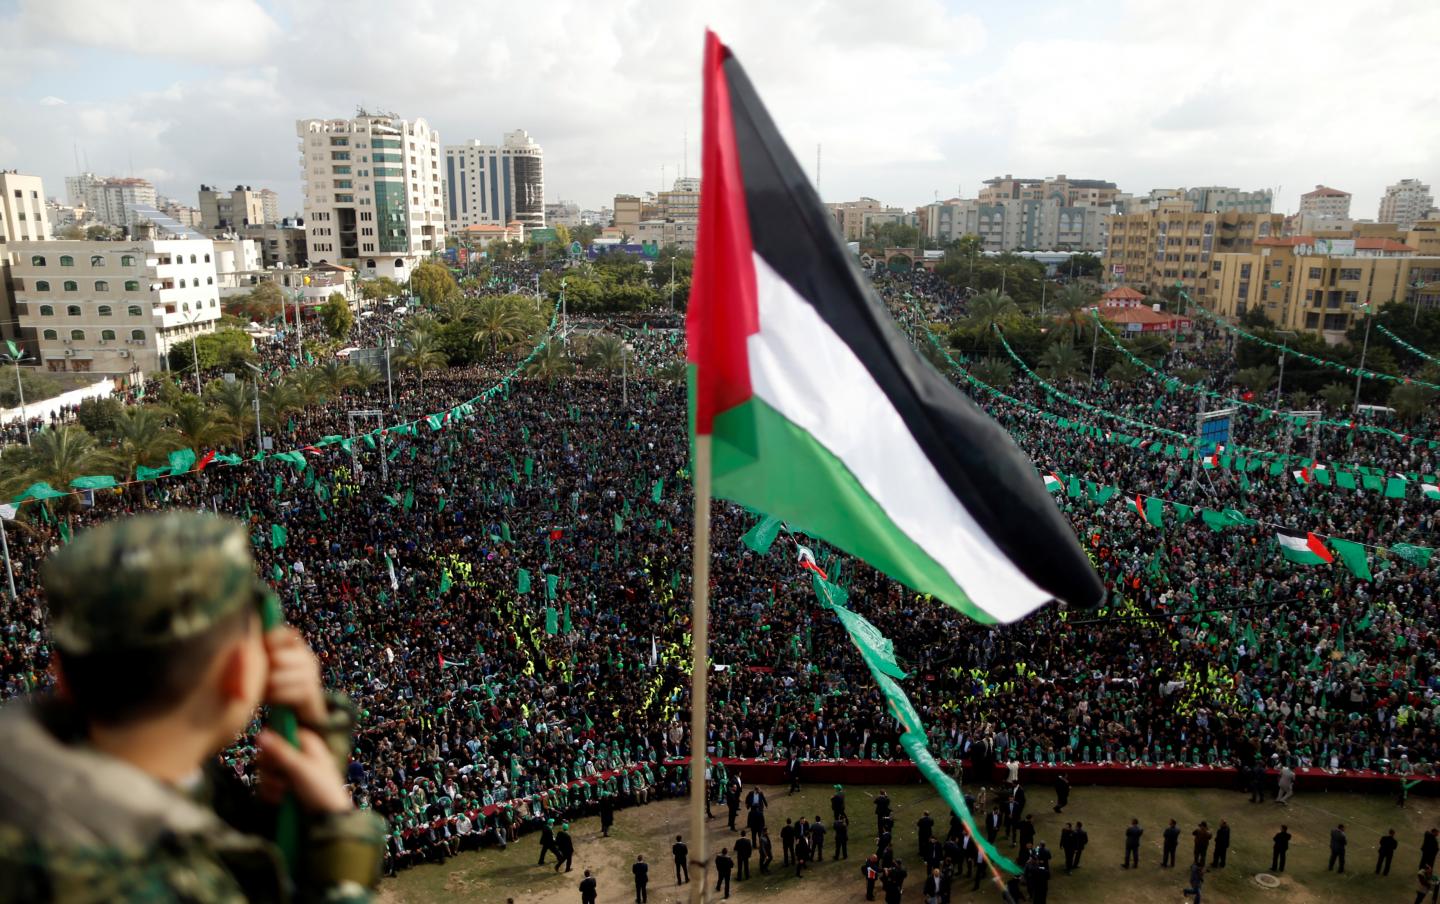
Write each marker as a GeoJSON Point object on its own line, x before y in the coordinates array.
{"type": "Point", "coordinates": [506, 602]}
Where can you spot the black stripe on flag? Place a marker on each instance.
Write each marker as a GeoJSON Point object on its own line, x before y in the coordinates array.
{"type": "Point", "coordinates": [976, 458]}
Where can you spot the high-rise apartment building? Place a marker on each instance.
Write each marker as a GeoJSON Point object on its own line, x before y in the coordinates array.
{"type": "Point", "coordinates": [269, 206]}
{"type": "Point", "coordinates": [1406, 203]}
{"type": "Point", "coordinates": [110, 201]}
{"type": "Point", "coordinates": [495, 185]}
{"type": "Point", "coordinates": [563, 213]}
{"type": "Point", "coordinates": [854, 218]}
{"type": "Point", "coordinates": [233, 210]}
{"type": "Point", "coordinates": [372, 192]}
{"type": "Point", "coordinates": [1223, 199]}
{"type": "Point", "coordinates": [1174, 244]}
{"type": "Point", "coordinates": [107, 307]}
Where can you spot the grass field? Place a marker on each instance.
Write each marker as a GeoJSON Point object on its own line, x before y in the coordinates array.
{"type": "Point", "coordinates": [490, 876]}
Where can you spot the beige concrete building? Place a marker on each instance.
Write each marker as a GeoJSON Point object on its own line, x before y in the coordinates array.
{"type": "Point", "coordinates": [854, 218]}
{"type": "Point", "coordinates": [1315, 285]}
{"type": "Point", "coordinates": [1326, 203]}
{"type": "Point", "coordinates": [1174, 244]}
{"type": "Point", "coordinates": [627, 214]}
{"type": "Point", "coordinates": [231, 210]}
{"type": "Point", "coordinates": [110, 307]}
{"type": "Point", "coordinates": [372, 192]}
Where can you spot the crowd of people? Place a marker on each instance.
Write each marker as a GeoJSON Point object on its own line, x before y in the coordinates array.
{"type": "Point", "coordinates": [506, 600]}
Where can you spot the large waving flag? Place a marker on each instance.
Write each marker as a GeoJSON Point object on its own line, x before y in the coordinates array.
{"type": "Point", "coordinates": [822, 414]}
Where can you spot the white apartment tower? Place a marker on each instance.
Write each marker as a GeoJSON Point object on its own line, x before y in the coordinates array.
{"type": "Point", "coordinates": [24, 216]}
{"type": "Point", "coordinates": [372, 192]}
{"type": "Point", "coordinates": [1405, 202]}
{"type": "Point", "coordinates": [489, 185]}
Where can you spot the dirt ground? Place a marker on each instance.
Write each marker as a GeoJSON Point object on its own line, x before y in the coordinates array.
{"type": "Point", "coordinates": [492, 876]}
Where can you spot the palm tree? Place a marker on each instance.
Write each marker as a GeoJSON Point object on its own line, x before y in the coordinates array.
{"type": "Point", "coordinates": [277, 402]}
{"type": "Point", "coordinates": [673, 372]}
{"type": "Point", "coordinates": [552, 361]}
{"type": "Point", "coordinates": [56, 456]}
{"type": "Point", "coordinates": [1336, 396]}
{"type": "Point", "coordinates": [605, 352]}
{"type": "Point", "coordinates": [989, 309]}
{"type": "Point", "coordinates": [993, 372]}
{"type": "Point", "coordinates": [1299, 399]}
{"type": "Point", "coordinates": [309, 385]}
{"type": "Point", "coordinates": [335, 377]}
{"type": "Point", "coordinates": [1072, 301]}
{"type": "Point", "coordinates": [1257, 378]}
{"type": "Point", "coordinates": [419, 351]}
{"type": "Point", "coordinates": [1410, 401]}
{"type": "Point", "coordinates": [232, 404]}
{"type": "Point", "coordinates": [141, 438]}
{"type": "Point", "coordinates": [1124, 371]}
{"type": "Point", "coordinates": [500, 323]}
{"type": "Point", "coordinates": [363, 376]}
{"type": "Point", "coordinates": [1060, 362]}
{"type": "Point", "coordinates": [192, 421]}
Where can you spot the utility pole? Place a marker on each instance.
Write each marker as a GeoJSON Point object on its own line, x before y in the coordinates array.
{"type": "Point", "coordinates": [1417, 285]}
{"type": "Point", "coordinates": [9, 569]}
{"type": "Point", "coordinates": [672, 282]}
{"type": "Point", "coordinates": [16, 356]}
{"type": "Point", "coordinates": [255, 382]}
{"type": "Point", "coordinates": [1095, 344]}
{"type": "Point", "coordinates": [299, 332]}
{"type": "Point", "coordinates": [1359, 372]}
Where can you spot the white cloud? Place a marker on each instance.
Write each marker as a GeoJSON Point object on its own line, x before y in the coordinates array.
{"type": "Point", "coordinates": [51, 100]}
{"type": "Point", "coordinates": [908, 98]}
{"type": "Point", "coordinates": [209, 31]}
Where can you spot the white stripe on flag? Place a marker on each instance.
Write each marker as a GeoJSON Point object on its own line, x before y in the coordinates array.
{"type": "Point", "coordinates": [802, 369]}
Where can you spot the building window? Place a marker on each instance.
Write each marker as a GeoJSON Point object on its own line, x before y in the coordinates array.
{"type": "Point", "coordinates": [47, 310]}
{"type": "Point", "coordinates": [185, 307]}
{"type": "Point", "coordinates": [127, 261]}
{"type": "Point", "coordinates": [212, 302]}
{"type": "Point", "coordinates": [50, 334]}
{"type": "Point", "coordinates": [102, 286]}
{"type": "Point", "coordinates": [71, 286]}
{"type": "Point", "coordinates": [67, 261]}
{"type": "Point", "coordinates": [138, 334]}
{"type": "Point", "coordinates": [1315, 273]}
{"type": "Point", "coordinates": [77, 335]}
{"type": "Point", "coordinates": [134, 311]}
{"type": "Point", "coordinates": [37, 260]}
{"type": "Point", "coordinates": [132, 285]}
{"type": "Point", "coordinates": [42, 285]}
{"type": "Point", "coordinates": [107, 334]}
{"type": "Point", "coordinates": [103, 310]}
{"type": "Point", "coordinates": [1350, 273]}
{"type": "Point", "coordinates": [72, 310]}
{"type": "Point", "coordinates": [209, 280]}
{"type": "Point", "coordinates": [192, 258]}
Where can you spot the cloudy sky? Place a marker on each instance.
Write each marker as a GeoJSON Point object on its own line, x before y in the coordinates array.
{"type": "Point", "coordinates": [910, 99]}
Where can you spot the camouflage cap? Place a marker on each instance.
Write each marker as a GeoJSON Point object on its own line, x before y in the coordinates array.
{"type": "Point", "coordinates": [148, 580]}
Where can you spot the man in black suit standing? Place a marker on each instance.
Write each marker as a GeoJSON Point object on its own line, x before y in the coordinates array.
{"type": "Point", "coordinates": [641, 869]}
{"type": "Point", "coordinates": [1388, 844]}
{"type": "Point", "coordinates": [1337, 848]}
{"type": "Point", "coordinates": [1279, 849]}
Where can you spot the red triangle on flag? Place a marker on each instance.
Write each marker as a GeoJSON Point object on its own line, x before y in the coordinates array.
{"type": "Point", "coordinates": [1318, 547]}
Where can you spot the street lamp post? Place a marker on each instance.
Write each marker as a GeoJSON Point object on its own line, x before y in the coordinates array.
{"type": "Point", "coordinates": [1416, 286]}
{"type": "Point", "coordinates": [255, 382]}
{"type": "Point", "coordinates": [193, 323]}
{"type": "Point", "coordinates": [1365, 347]}
{"type": "Point", "coordinates": [16, 356]}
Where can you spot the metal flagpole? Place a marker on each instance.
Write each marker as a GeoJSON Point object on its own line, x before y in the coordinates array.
{"type": "Point", "coordinates": [9, 571]}
{"type": "Point", "coordinates": [700, 667]}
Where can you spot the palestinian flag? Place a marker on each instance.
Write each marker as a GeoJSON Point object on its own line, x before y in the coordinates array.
{"type": "Point", "coordinates": [806, 557]}
{"type": "Point", "coordinates": [1053, 483]}
{"type": "Point", "coordinates": [1211, 461]}
{"type": "Point", "coordinates": [820, 413]}
{"type": "Point", "coordinates": [1430, 490]}
{"type": "Point", "coordinates": [1302, 475]}
{"type": "Point", "coordinates": [1137, 505]}
{"type": "Point", "coordinates": [1303, 550]}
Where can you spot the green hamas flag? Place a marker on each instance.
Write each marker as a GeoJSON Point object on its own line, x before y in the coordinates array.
{"type": "Point", "coordinates": [567, 625]}
{"type": "Point", "coordinates": [1354, 557]}
{"type": "Point", "coordinates": [552, 620]}
{"type": "Point", "coordinates": [552, 581]}
{"type": "Point", "coordinates": [505, 531]}
{"type": "Point", "coordinates": [529, 466]}
{"type": "Point", "coordinates": [96, 482]}
{"type": "Point", "coordinates": [522, 581]}
{"type": "Point", "coordinates": [445, 580]}
{"type": "Point", "coordinates": [657, 490]}
{"type": "Point", "coordinates": [762, 536]}
{"type": "Point", "coordinates": [1417, 555]}
{"type": "Point", "coordinates": [278, 536]}
{"type": "Point", "coordinates": [409, 502]}
{"type": "Point", "coordinates": [619, 522]}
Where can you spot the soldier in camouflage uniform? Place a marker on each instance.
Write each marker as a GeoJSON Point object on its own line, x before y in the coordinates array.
{"type": "Point", "coordinates": [111, 789]}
